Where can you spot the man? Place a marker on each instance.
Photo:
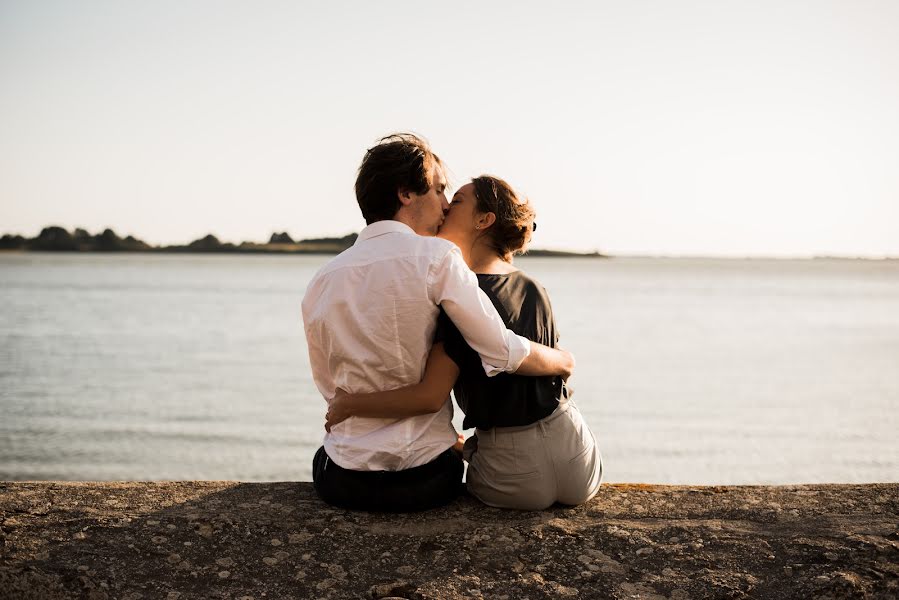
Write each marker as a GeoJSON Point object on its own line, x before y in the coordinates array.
{"type": "Point", "coordinates": [370, 316]}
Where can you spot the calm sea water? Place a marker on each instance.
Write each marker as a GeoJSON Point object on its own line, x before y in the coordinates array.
{"type": "Point", "coordinates": [689, 371]}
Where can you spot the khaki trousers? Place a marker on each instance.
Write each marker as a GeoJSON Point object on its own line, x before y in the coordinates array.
{"type": "Point", "coordinates": [553, 460]}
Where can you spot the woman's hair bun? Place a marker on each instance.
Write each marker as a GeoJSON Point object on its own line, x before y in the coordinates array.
{"type": "Point", "coordinates": [514, 224]}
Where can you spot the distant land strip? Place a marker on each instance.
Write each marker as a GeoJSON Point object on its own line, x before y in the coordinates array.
{"type": "Point", "coordinates": [59, 239]}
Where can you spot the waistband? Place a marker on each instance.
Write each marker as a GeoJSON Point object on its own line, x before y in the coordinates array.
{"type": "Point", "coordinates": [560, 410]}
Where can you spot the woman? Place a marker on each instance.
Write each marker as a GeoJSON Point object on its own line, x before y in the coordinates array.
{"type": "Point", "coordinates": [531, 446]}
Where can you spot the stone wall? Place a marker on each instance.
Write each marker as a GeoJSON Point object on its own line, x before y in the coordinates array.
{"type": "Point", "coordinates": [239, 540]}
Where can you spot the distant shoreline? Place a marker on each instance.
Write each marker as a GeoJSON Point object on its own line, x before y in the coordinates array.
{"type": "Point", "coordinates": [536, 253]}
{"type": "Point", "coordinates": [58, 239]}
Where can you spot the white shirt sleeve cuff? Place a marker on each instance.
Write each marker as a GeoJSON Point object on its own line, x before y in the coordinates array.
{"type": "Point", "coordinates": [519, 349]}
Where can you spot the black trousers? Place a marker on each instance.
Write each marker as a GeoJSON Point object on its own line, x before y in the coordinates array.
{"type": "Point", "coordinates": [419, 488]}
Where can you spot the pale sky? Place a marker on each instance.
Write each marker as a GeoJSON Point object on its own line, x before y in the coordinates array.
{"type": "Point", "coordinates": [720, 128]}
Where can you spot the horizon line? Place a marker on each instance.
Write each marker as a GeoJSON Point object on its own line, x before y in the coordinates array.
{"type": "Point", "coordinates": [592, 252]}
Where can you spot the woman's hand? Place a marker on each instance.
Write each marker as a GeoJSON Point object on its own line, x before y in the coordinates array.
{"type": "Point", "coordinates": [460, 444]}
{"type": "Point", "coordinates": [338, 411]}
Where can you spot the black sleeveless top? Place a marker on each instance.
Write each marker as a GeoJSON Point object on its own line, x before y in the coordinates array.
{"type": "Point", "coordinates": [505, 400]}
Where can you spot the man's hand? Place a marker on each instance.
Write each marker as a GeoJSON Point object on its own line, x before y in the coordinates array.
{"type": "Point", "coordinates": [569, 366]}
{"type": "Point", "coordinates": [337, 410]}
{"type": "Point", "coordinates": [543, 361]}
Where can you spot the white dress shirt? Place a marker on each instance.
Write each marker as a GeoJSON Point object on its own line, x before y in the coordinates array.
{"type": "Point", "coordinates": [370, 315]}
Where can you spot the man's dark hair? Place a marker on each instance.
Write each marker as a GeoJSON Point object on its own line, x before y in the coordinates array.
{"type": "Point", "coordinates": [398, 161]}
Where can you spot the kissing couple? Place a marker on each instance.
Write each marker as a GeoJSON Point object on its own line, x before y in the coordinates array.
{"type": "Point", "coordinates": [427, 300]}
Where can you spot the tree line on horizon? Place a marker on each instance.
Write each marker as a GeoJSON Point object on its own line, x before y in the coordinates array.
{"type": "Point", "coordinates": [59, 239]}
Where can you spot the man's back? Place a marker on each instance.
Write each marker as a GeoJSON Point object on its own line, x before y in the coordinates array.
{"type": "Point", "coordinates": [370, 317]}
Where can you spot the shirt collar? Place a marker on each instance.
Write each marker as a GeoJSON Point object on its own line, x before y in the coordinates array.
{"type": "Point", "coordinates": [379, 228]}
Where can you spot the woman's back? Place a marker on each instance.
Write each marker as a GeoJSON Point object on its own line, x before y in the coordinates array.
{"type": "Point", "coordinates": [529, 449]}
{"type": "Point", "coordinates": [506, 400]}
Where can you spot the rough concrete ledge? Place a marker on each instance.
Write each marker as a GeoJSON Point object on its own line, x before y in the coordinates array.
{"type": "Point", "coordinates": [238, 540]}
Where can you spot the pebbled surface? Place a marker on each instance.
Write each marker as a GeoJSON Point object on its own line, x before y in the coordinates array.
{"type": "Point", "coordinates": [180, 540]}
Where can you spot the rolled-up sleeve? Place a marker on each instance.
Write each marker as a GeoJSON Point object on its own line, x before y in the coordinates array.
{"type": "Point", "coordinates": [453, 286]}
{"type": "Point", "coordinates": [519, 349]}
